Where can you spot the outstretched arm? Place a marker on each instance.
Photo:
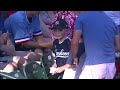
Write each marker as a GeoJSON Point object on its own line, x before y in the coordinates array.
{"type": "Point", "coordinates": [74, 45]}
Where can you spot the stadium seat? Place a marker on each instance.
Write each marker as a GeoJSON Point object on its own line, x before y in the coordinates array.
{"type": "Point", "coordinates": [48, 61]}
{"type": "Point", "coordinates": [13, 75]}
{"type": "Point", "coordinates": [34, 70]}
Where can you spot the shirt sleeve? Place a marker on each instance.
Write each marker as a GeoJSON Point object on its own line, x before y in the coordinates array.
{"type": "Point", "coordinates": [78, 24]}
{"type": "Point", "coordinates": [37, 28]}
{"type": "Point", "coordinates": [19, 31]}
{"type": "Point", "coordinates": [70, 60]}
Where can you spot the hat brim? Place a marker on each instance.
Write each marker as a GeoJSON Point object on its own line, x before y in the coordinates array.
{"type": "Point", "coordinates": [58, 28]}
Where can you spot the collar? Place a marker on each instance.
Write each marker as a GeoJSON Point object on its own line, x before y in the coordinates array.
{"type": "Point", "coordinates": [27, 17]}
{"type": "Point", "coordinates": [62, 40]}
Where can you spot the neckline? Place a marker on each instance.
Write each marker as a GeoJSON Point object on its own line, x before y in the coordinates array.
{"type": "Point", "coordinates": [27, 17]}
{"type": "Point", "coordinates": [60, 42]}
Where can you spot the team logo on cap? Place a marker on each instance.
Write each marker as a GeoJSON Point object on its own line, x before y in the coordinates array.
{"type": "Point", "coordinates": [57, 23]}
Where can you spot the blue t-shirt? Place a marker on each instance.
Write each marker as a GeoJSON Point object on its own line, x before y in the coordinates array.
{"type": "Point", "coordinates": [61, 51]}
{"type": "Point", "coordinates": [98, 34]}
{"type": "Point", "coordinates": [20, 29]}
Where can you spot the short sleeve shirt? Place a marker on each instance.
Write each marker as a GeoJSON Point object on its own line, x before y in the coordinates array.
{"type": "Point", "coordinates": [20, 29]}
{"type": "Point", "coordinates": [61, 51]}
{"type": "Point", "coordinates": [98, 34]}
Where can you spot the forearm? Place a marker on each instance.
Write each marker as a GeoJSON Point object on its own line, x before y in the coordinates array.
{"type": "Point", "coordinates": [62, 68]}
{"type": "Point", "coordinates": [75, 42]}
{"type": "Point", "coordinates": [44, 42]}
{"type": "Point", "coordinates": [46, 20]}
{"type": "Point", "coordinates": [31, 44]}
{"type": "Point", "coordinates": [74, 48]}
{"type": "Point", "coordinates": [45, 30]}
{"type": "Point", "coordinates": [9, 42]}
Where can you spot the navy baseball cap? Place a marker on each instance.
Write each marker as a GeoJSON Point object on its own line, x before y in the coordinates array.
{"type": "Point", "coordinates": [60, 24]}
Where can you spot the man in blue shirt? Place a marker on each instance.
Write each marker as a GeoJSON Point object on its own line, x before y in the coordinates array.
{"type": "Point", "coordinates": [99, 35]}
{"type": "Point", "coordinates": [25, 32]}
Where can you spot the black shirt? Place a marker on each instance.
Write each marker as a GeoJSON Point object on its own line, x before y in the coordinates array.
{"type": "Point", "coordinates": [61, 51]}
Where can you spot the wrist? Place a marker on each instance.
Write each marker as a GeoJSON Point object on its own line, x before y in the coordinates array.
{"type": "Point", "coordinates": [75, 58]}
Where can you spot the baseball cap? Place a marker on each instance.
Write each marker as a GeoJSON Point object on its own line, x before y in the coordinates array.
{"type": "Point", "coordinates": [60, 24]}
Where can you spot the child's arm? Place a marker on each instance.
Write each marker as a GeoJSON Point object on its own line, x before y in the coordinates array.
{"type": "Point", "coordinates": [62, 68]}
{"type": "Point", "coordinates": [53, 68]}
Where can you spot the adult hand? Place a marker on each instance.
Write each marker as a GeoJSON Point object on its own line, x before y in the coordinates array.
{"type": "Point", "coordinates": [10, 50]}
{"type": "Point", "coordinates": [75, 61]}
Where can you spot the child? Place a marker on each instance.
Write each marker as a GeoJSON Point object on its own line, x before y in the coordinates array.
{"type": "Point", "coordinates": [69, 17]}
{"type": "Point", "coordinates": [61, 47]}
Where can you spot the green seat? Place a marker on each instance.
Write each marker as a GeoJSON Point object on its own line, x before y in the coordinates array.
{"type": "Point", "coordinates": [34, 70]}
{"type": "Point", "coordinates": [13, 75]}
{"type": "Point", "coordinates": [48, 61]}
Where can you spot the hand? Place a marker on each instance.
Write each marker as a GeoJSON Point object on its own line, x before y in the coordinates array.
{"type": "Point", "coordinates": [59, 70]}
{"type": "Point", "coordinates": [10, 50]}
{"type": "Point", "coordinates": [75, 61]}
{"type": "Point", "coordinates": [52, 70]}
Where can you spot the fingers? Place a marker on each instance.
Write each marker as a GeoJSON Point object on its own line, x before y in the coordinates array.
{"type": "Point", "coordinates": [52, 70]}
{"type": "Point", "coordinates": [58, 70]}
{"type": "Point", "coordinates": [75, 61]}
